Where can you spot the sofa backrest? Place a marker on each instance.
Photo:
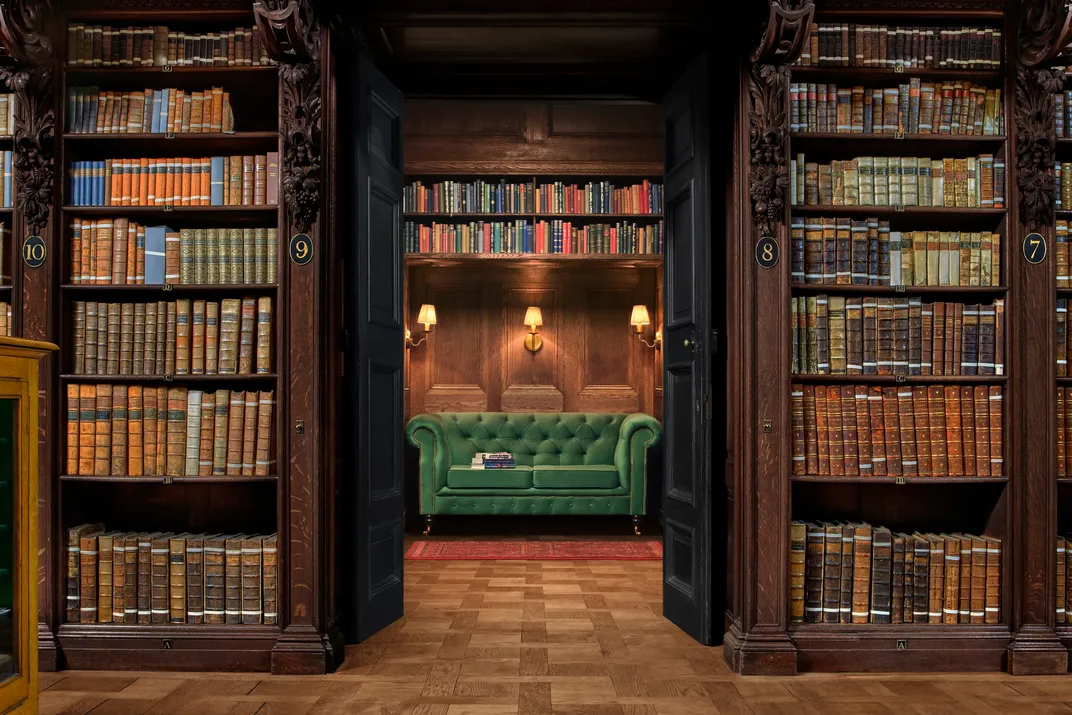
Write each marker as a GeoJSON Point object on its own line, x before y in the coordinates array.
{"type": "Point", "coordinates": [534, 438]}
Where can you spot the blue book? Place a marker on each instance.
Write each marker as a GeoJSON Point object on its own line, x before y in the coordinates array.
{"type": "Point", "coordinates": [155, 259]}
{"type": "Point", "coordinates": [72, 184]}
{"type": "Point", "coordinates": [155, 126]}
{"type": "Point", "coordinates": [98, 175]}
{"type": "Point", "coordinates": [165, 97]}
{"type": "Point", "coordinates": [81, 178]}
{"type": "Point", "coordinates": [7, 179]}
{"type": "Point", "coordinates": [216, 181]}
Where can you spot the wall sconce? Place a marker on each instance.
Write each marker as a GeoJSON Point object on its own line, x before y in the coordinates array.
{"type": "Point", "coordinates": [533, 319]}
{"type": "Point", "coordinates": [639, 319]}
{"type": "Point", "coordinates": [427, 318]}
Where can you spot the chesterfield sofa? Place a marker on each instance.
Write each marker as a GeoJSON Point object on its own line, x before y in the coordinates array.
{"type": "Point", "coordinates": [568, 463]}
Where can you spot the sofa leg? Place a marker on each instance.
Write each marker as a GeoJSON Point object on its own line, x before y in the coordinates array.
{"type": "Point", "coordinates": [636, 524]}
{"type": "Point", "coordinates": [427, 524]}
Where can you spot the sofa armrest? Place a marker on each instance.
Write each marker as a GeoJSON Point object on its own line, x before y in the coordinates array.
{"type": "Point", "coordinates": [639, 433]}
{"type": "Point", "coordinates": [427, 433]}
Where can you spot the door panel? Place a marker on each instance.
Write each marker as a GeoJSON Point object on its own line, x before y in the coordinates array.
{"type": "Point", "coordinates": [375, 351]}
{"type": "Point", "coordinates": [687, 346]}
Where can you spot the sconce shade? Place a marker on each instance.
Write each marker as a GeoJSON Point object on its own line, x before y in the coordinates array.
{"type": "Point", "coordinates": [533, 317]}
{"type": "Point", "coordinates": [427, 315]}
{"type": "Point", "coordinates": [640, 316]}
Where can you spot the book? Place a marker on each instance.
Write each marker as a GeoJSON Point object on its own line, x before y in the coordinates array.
{"type": "Point", "coordinates": [159, 46]}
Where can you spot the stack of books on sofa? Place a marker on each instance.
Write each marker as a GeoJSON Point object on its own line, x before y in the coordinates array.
{"type": "Point", "coordinates": [493, 460]}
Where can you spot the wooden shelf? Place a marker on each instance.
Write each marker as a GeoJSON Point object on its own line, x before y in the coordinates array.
{"type": "Point", "coordinates": [563, 259]}
{"type": "Point", "coordinates": [863, 74]}
{"type": "Point", "coordinates": [248, 72]}
{"type": "Point", "coordinates": [1064, 380]}
{"type": "Point", "coordinates": [893, 212]}
{"type": "Point", "coordinates": [907, 379]}
{"type": "Point", "coordinates": [824, 143]}
{"type": "Point", "coordinates": [202, 647]}
{"type": "Point", "coordinates": [160, 379]}
{"type": "Point", "coordinates": [588, 218]}
{"type": "Point", "coordinates": [171, 288]}
{"type": "Point", "coordinates": [842, 289]}
{"type": "Point", "coordinates": [528, 170]}
{"type": "Point", "coordinates": [156, 143]}
{"type": "Point", "coordinates": [228, 214]}
{"type": "Point", "coordinates": [165, 480]}
{"type": "Point", "coordinates": [892, 480]}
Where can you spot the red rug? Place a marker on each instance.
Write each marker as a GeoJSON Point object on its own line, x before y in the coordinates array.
{"type": "Point", "coordinates": [475, 550]}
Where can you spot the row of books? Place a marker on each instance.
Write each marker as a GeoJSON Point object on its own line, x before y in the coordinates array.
{"type": "Point", "coordinates": [251, 180]}
{"type": "Point", "coordinates": [1064, 337]}
{"type": "Point", "coordinates": [183, 337]}
{"type": "Point", "coordinates": [1064, 431]}
{"type": "Point", "coordinates": [7, 181]}
{"type": "Point", "coordinates": [1063, 105]}
{"type": "Point", "coordinates": [479, 196]}
{"type": "Point", "coordinates": [548, 237]}
{"type": "Point", "coordinates": [117, 251]}
{"type": "Point", "coordinates": [847, 44]}
{"type": "Point", "coordinates": [5, 319]}
{"type": "Point", "coordinates": [136, 431]}
{"type": "Point", "coordinates": [156, 111]}
{"type": "Point", "coordinates": [922, 430]}
{"type": "Point", "coordinates": [157, 46]}
{"type": "Point", "coordinates": [842, 251]}
{"type": "Point", "coordinates": [493, 460]}
{"type": "Point", "coordinates": [856, 573]}
{"type": "Point", "coordinates": [915, 107]}
{"type": "Point", "coordinates": [835, 335]}
{"type": "Point", "coordinates": [974, 182]}
{"type": "Point", "coordinates": [7, 115]}
{"type": "Point", "coordinates": [164, 577]}
{"type": "Point", "coordinates": [1063, 185]}
{"type": "Point", "coordinates": [1064, 572]}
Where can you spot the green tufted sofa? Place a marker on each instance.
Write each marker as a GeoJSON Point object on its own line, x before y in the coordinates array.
{"type": "Point", "coordinates": [569, 463]}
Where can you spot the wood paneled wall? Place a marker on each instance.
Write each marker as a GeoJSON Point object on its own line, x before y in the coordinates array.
{"type": "Point", "coordinates": [475, 358]}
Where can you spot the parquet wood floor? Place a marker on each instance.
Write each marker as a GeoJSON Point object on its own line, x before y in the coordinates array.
{"type": "Point", "coordinates": [541, 638]}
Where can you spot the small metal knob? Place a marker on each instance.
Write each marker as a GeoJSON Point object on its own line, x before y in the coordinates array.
{"type": "Point", "coordinates": [688, 343]}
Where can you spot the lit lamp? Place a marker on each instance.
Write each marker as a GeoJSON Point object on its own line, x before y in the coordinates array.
{"type": "Point", "coordinates": [533, 319]}
{"type": "Point", "coordinates": [639, 319]}
{"type": "Point", "coordinates": [427, 318]}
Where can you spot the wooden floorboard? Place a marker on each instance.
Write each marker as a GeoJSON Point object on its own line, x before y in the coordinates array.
{"type": "Point", "coordinates": [541, 638]}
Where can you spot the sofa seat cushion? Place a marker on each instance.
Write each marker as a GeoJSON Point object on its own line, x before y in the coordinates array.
{"type": "Point", "coordinates": [589, 476]}
{"type": "Point", "coordinates": [519, 477]}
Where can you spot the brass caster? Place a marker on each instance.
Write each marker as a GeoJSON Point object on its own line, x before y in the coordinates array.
{"type": "Point", "coordinates": [636, 530]}
{"type": "Point", "coordinates": [427, 525]}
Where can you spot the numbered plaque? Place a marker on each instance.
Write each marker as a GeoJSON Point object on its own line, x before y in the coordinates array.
{"type": "Point", "coordinates": [34, 251]}
{"type": "Point", "coordinates": [301, 249]}
{"type": "Point", "coordinates": [767, 252]}
{"type": "Point", "coordinates": [1035, 248]}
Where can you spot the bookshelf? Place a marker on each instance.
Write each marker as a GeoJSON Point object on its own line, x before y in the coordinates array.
{"type": "Point", "coordinates": [946, 500]}
{"type": "Point", "coordinates": [174, 499]}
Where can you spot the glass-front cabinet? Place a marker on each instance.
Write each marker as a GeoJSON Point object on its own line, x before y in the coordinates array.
{"type": "Point", "coordinates": [18, 522]}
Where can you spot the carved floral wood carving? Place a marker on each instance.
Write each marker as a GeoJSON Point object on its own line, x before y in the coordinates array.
{"type": "Point", "coordinates": [1045, 31]}
{"type": "Point", "coordinates": [1036, 141]}
{"type": "Point", "coordinates": [291, 35]}
{"type": "Point", "coordinates": [24, 38]}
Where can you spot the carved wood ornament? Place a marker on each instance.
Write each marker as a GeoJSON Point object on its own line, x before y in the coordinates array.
{"type": "Point", "coordinates": [783, 40]}
{"type": "Point", "coordinates": [30, 78]}
{"type": "Point", "coordinates": [291, 35]}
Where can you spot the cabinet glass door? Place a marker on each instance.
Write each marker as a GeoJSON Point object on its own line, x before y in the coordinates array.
{"type": "Point", "coordinates": [9, 649]}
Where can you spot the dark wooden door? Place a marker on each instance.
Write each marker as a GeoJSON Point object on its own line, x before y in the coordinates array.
{"type": "Point", "coordinates": [688, 344]}
{"type": "Point", "coordinates": [375, 344]}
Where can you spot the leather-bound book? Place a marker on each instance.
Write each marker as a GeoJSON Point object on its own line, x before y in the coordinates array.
{"type": "Point", "coordinates": [87, 574]}
{"type": "Point", "coordinates": [249, 434]}
{"type": "Point", "coordinates": [113, 337]}
{"type": "Point", "coordinates": [797, 542]}
{"type": "Point", "coordinates": [881, 575]}
{"type": "Point", "coordinates": [861, 573]}
{"type": "Point", "coordinates": [883, 252]}
{"type": "Point", "coordinates": [233, 579]}
{"type": "Point", "coordinates": [848, 533]}
{"type": "Point", "coordinates": [891, 425]}
{"type": "Point", "coordinates": [260, 257]}
{"type": "Point", "coordinates": [977, 613]}
{"type": "Point", "coordinates": [206, 430]}
{"type": "Point", "coordinates": [78, 366]}
{"type": "Point", "coordinates": [102, 442]}
{"type": "Point", "coordinates": [831, 573]}
{"type": "Point", "coordinates": [862, 428]}
{"type": "Point", "coordinates": [161, 430]}
{"type": "Point", "coordinates": [870, 336]}
{"type": "Point", "coordinates": [926, 359]}
{"type": "Point", "coordinates": [215, 591]}
{"type": "Point", "coordinates": [105, 565]}
{"type": "Point", "coordinates": [953, 434]}
{"type": "Point", "coordinates": [195, 578]}
{"type": "Point", "coordinates": [849, 430]}
{"type": "Point", "coordinates": [144, 581]}
{"type": "Point", "coordinates": [843, 252]}
{"type": "Point", "coordinates": [915, 336]}
{"type": "Point", "coordinates": [822, 429]}
{"type": "Point", "coordinates": [260, 180]}
{"type": "Point", "coordinates": [128, 599]}
{"type": "Point", "coordinates": [212, 255]}
{"type": "Point", "coordinates": [90, 337]}
{"type": "Point", "coordinates": [235, 427]}
{"type": "Point", "coordinates": [921, 422]}
{"type": "Point", "coordinates": [270, 566]}
{"type": "Point", "coordinates": [252, 581]}
{"type": "Point", "coordinates": [247, 181]}
{"type": "Point", "coordinates": [198, 263]}
{"type": "Point", "coordinates": [908, 568]}
{"type": "Point", "coordinates": [836, 430]}
{"type": "Point", "coordinates": [878, 431]}
{"type": "Point", "coordinates": [75, 536]}
{"type": "Point", "coordinates": [796, 415]}
{"type": "Point", "coordinates": [964, 598]}
{"type": "Point", "coordinates": [102, 262]}
{"type": "Point", "coordinates": [119, 578]}
{"type": "Point", "coordinates": [1062, 547]}
{"type": "Point", "coordinates": [907, 427]}
{"type": "Point", "coordinates": [160, 356]}
{"type": "Point", "coordinates": [249, 259]}
{"type": "Point", "coordinates": [993, 581]}
{"type": "Point", "coordinates": [1062, 470]}
{"type": "Point", "coordinates": [233, 188]}
{"type": "Point", "coordinates": [73, 436]}
{"type": "Point", "coordinates": [220, 432]}
{"type": "Point", "coordinates": [173, 258]}
{"type": "Point", "coordinates": [813, 578]}
{"type": "Point", "coordinates": [936, 579]}
{"type": "Point", "coordinates": [230, 317]}
{"type": "Point", "coordinates": [197, 346]}
{"type": "Point", "coordinates": [951, 597]}
{"type": "Point", "coordinates": [969, 358]}
{"type": "Point", "coordinates": [135, 434]}
{"type": "Point", "coordinates": [829, 251]}
{"type": "Point", "coordinates": [182, 336]}
{"type": "Point", "coordinates": [1066, 423]}
{"type": "Point", "coordinates": [938, 351]}
{"type": "Point", "coordinates": [920, 577]}
{"type": "Point", "coordinates": [822, 335]}
{"type": "Point", "coordinates": [957, 319]}
{"type": "Point", "coordinates": [192, 430]}
{"type": "Point", "coordinates": [997, 462]}
{"type": "Point", "coordinates": [967, 429]}
{"type": "Point", "coordinates": [237, 267]}
{"type": "Point", "coordinates": [175, 463]}
{"type": "Point", "coordinates": [150, 415]}
{"type": "Point", "coordinates": [138, 345]}
{"type": "Point", "coordinates": [87, 425]}
{"type": "Point", "coordinates": [264, 332]}
{"type": "Point", "coordinates": [247, 328]}
{"type": "Point", "coordinates": [897, 579]}
{"type": "Point", "coordinates": [885, 337]}
{"type": "Point", "coordinates": [171, 331]}
{"type": "Point", "coordinates": [160, 596]}
{"type": "Point", "coordinates": [859, 253]}
{"type": "Point", "coordinates": [854, 347]}
{"type": "Point", "coordinates": [986, 364]}
{"type": "Point", "coordinates": [811, 430]}
{"type": "Point", "coordinates": [982, 432]}
{"type": "Point", "coordinates": [119, 251]}
{"type": "Point", "coordinates": [936, 409]}
{"type": "Point", "coordinates": [177, 578]}
{"type": "Point", "coordinates": [900, 336]}
{"type": "Point", "coordinates": [999, 337]}
{"type": "Point", "coordinates": [212, 337]}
